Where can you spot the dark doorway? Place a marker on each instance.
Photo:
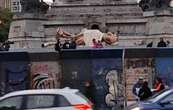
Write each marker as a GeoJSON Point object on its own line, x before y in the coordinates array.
{"type": "Point", "coordinates": [95, 26]}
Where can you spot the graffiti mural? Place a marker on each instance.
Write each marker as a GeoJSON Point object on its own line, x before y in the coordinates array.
{"type": "Point", "coordinates": [16, 75]}
{"type": "Point", "coordinates": [135, 68]}
{"type": "Point", "coordinates": [76, 72]}
{"type": "Point", "coordinates": [105, 75]}
{"type": "Point", "coordinates": [164, 69]}
{"type": "Point", "coordinates": [114, 88]}
{"type": "Point", "coordinates": [107, 78]}
{"type": "Point", "coordinates": [45, 75]}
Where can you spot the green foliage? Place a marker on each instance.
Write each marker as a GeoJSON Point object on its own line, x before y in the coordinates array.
{"type": "Point", "coordinates": [6, 18]}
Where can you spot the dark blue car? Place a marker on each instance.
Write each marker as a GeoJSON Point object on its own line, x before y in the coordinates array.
{"type": "Point", "coordinates": [160, 101]}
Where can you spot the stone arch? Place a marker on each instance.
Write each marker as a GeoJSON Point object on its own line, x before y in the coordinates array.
{"type": "Point", "coordinates": [95, 26]}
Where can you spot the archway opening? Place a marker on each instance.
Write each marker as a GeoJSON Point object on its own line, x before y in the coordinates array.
{"type": "Point", "coordinates": [95, 26]}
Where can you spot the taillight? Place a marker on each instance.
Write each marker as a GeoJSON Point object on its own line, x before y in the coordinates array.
{"type": "Point", "coordinates": [82, 107]}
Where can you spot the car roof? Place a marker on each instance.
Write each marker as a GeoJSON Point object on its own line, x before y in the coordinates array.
{"type": "Point", "coordinates": [159, 96]}
{"type": "Point", "coordinates": [41, 91]}
{"type": "Point", "coordinates": [169, 89]}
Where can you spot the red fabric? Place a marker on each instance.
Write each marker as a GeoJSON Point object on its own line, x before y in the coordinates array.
{"type": "Point", "coordinates": [157, 87]}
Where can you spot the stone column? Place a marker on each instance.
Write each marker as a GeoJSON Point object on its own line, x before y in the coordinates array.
{"type": "Point", "coordinates": [27, 31]}
{"type": "Point", "coordinates": [160, 24]}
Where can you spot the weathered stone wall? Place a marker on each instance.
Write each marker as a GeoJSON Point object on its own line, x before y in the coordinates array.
{"type": "Point", "coordinates": [137, 28]}
{"type": "Point", "coordinates": [116, 10]}
{"type": "Point", "coordinates": [113, 16]}
{"type": "Point", "coordinates": [88, 1]}
{"type": "Point", "coordinates": [159, 24]}
{"type": "Point", "coordinates": [27, 31]}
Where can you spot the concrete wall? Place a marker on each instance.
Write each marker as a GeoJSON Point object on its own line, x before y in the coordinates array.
{"type": "Point", "coordinates": [74, 67]}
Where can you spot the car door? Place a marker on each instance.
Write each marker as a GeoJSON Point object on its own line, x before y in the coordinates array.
{"type": "Point", "coordinates": [15, 102]}
{"type": "Point", "coordinates": [167, 102]}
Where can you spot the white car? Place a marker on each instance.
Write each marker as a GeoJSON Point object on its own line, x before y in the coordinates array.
{"type": "Point", "coordinates": [45, 99]}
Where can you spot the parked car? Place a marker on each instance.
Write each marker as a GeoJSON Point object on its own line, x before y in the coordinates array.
{"type": "Point", "coordinates": [160, 101]}
{"type": "Point", "coordinates": [45, 99]}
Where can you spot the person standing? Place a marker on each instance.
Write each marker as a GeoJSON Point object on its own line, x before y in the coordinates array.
{"type": "Point", "coordinates": [161, 43]}
{"type": "Point", "coordinates": [144, 92]}
{"type": "Point", "coordinates": [138, 86]}
{"type": "Point", "coordinates": [89, 90]}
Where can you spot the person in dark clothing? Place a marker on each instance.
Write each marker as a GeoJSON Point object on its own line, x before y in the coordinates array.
{"type": "Point", "coordinates": [167, 43]}
{"type": "Point", "coordinates": [162, 43]}
{"type": "Point", "coordinates": [150, 44]}
{"type": "Point", "coordinates": [72, 44]}
{"type": "Point", "coordinates": [144, 92]}
{"type": "Point", "coordinates": [66, 45]}
{"type": "Point", "coordinates": [89, 90]}
{"type": "Point", "coordinates": [137, 86]}
{"type": "Point", "coordinates": [58, 45]}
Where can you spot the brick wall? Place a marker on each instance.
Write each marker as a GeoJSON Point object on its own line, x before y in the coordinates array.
{"type": "Point", "coordinates": [135, 68]}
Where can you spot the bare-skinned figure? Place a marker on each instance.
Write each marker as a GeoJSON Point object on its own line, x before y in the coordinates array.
{"type": "Point", "coordinates": [86, 36]}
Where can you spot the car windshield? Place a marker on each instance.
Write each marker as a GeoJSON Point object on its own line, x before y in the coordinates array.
{"type": "Point", "coordinates": [158, 96]}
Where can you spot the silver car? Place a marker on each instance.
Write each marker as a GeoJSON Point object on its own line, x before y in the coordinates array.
{"type": "Point", "coordinates": [45, 99]}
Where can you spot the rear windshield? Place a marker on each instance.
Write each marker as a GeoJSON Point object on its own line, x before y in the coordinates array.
{"type": "Point", "coordinates": [83, 97]}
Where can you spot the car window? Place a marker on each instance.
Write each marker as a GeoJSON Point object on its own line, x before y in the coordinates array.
{"type": "Point", "coordinates": [158, 96]}
{"type": "Point", "coordinates": [40, 101]}
{"type": "Point", "coordinates": [15, 102]}
{"type": "Point", "coordinates": [62, 101]}
{"type": "Point", "coordinates": [83, 97]}
{"type": "Point", "coordinates": [168, 98]}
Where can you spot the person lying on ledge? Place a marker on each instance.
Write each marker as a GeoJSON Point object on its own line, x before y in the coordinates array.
{"type": "Point", "coordinates": [86, 36]}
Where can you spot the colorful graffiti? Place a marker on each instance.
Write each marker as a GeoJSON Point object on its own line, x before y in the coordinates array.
{"type": "Point", "coordinates": [16, 75]}
{"type": "Point", "coordinates": [106, 77]}
{"type": "Point", "coordinates": [135, 68]}
{"type": "Point", "coordinates": [76, 72]}
{"type": "Point", "coordinates": [108, 81]}
{"type": "Point", "coordinates": [45, 75]}
{"type": "Point", "coordinates": [114, 87]}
